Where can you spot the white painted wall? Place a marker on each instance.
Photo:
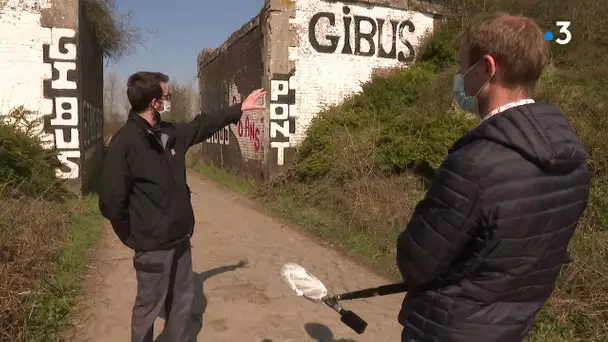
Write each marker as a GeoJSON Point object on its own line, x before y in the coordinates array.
{"type": "Point", "coordinates": [328, 78]}
{"type": "Point", "coordinates": [23, 73]}
{"type": "Point", "coordinates": [21, 66]}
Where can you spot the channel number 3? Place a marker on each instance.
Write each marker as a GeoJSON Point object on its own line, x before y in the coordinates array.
{"type": "Point", "coordinates": [563, 29]}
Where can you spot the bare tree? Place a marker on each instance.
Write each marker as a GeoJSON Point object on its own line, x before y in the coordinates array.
{"type": "Point", "coordinates": [182, 102]}
{"type": "Point", "coordinates": [117, 33]}
{"type": "Point", "coordinates": [113, 119]}
{"type": "Point", "coordinates": [126, 105]}
{"type": "Point", "coordinates": [116, 106]}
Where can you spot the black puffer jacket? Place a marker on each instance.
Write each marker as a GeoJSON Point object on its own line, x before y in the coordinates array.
{"type": "Point", "coordinates": [484, 248]}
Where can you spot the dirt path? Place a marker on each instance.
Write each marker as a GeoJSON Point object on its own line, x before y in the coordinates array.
{"type": "Point", "coordinates": [240, 303]}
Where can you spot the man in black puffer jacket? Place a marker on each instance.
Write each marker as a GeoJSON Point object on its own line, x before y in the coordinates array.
{"type": "Point", "coordinates": [484, 248]}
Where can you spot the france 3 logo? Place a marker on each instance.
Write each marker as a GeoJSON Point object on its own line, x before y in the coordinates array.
{"type": "Point", "coordinates": [565, 36]}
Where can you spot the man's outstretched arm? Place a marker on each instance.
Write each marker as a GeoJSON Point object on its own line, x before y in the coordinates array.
{"type": "Point", "coordinates": [115, 189]}
{"type": "Point", "coordinates": [205, 125]}
{"type": "Point", "coordinates": [441, 225]}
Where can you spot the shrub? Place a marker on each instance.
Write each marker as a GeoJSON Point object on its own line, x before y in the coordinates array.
{"type": "Point", "coordinates": [438, 48]}
{"type": "Point", "coordinates": [589, 19]}
{"type": "Point", "coordinates": [37, 234]}
{"type": "Point", "coordinates": [384, 116]}
{"type": "Point", "coordinates": [27, 167]}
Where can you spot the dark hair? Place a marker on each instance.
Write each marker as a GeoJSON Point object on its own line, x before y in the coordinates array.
{"type": "Point", "coordinates": [143, 87]}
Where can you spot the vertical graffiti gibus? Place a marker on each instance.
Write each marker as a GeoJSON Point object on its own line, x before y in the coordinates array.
{"type": "Point", "coordinates": [62, 91]}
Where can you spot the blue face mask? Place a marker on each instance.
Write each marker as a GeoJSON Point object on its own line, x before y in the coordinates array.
{"type": "Point", "coordinates": [467, 103]}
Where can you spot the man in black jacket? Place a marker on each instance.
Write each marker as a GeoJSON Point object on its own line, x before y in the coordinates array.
{"type": "Point", "coordinates": [484, 248]}
{"type": "Point", "coordinates": [145, 196]}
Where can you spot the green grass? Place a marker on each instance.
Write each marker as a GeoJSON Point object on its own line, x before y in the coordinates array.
{"type": "Point", "coordinates": [53, 308]}
{"type": "Point", "coordinates": [222, 177]}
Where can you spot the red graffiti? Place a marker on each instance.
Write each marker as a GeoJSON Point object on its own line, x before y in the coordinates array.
{"type": "Point", "coordinates": [249, 130]}
{"type": "Point", "coordinates": [234, 100]}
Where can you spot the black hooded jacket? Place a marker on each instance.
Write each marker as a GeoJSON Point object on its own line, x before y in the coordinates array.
{"type": "Point", "coordinates": [484, 248]}
{"type": "Point", "coordinates": [143, 190]}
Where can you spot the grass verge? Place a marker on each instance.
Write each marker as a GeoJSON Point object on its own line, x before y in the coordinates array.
{"type": "Point", "coordinates": [52, 311]}
{"type": "Point", "coordinates": [226, 179]}
{"type": "Point", "coordinates": [45, 234]}
{"type": "Point", "coordinates": [45, 252]}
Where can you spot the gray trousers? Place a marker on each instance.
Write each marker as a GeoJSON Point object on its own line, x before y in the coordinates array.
{"type": "Point", "coordinates": [165, 286]}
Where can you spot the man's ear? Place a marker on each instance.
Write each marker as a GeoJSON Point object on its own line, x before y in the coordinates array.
{"type": "Point", "coordinates": [490, 64]}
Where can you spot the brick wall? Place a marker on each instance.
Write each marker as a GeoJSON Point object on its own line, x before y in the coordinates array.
{"type": "Point", "coordinates": [226, 75]}
{"type": "Point", "coordinates": [40, 59]}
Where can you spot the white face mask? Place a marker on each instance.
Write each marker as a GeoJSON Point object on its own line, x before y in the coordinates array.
{"type": "Point", "coordinates": [467, 103]}
{"type": "Point", "coordinates": [167, 105]}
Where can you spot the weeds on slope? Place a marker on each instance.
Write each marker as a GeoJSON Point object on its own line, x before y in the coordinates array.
{"type": "Point", "coordinates": [43, 253]}
{"type": "Point", "coordinates": [45, 235]}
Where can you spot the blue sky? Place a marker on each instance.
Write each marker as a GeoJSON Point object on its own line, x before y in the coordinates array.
{"type": "Point", "coordinates": [182, 28]}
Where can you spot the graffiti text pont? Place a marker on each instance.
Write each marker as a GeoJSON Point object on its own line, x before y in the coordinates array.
{"type": "Point", "coordinates": [282, 114]}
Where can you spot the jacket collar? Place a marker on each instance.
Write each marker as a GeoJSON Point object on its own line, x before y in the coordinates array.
{"type": "Point", "coordinates": [141, 122]}
{"type": "Point", "coordinates": [153, 134]}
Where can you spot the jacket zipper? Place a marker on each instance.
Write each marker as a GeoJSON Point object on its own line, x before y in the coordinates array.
{"type": "Point", "coordinates": [164, 157]}
{"type": "Point", "coordinates": [168, 167]}
{"type": "Point", "coordinates": [175, 205]}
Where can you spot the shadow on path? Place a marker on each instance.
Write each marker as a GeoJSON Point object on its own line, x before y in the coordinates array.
{"type": "Point", "coordinates": [320, 333]}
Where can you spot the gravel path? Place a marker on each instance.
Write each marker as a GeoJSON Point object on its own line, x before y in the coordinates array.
{"type": "Point", "coordinates": [240, 303]}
